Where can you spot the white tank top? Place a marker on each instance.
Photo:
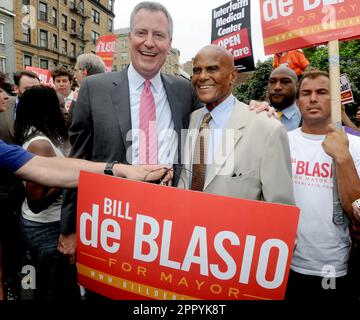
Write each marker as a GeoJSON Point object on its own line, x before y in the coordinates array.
{"type": "Point", "coordinates": [52, 213]}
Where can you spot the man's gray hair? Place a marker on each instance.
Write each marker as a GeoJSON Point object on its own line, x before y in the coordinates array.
{"type": "Point", "coordinates": [152, 6]}
{"type": "Point", "coordinates": [91, 62]}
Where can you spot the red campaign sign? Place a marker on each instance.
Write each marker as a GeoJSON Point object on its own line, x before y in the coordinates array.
{"type": "Point", "coordinates": [289, 24]}
{"type": "Point", "coordinates": [345, 90]}
{"type": "Point", "coordinates": [105, 49]}
{"type": "Point", "coordinates": [145, 241]}
{"type": "Point", "coordinates": [43, 74]}
{"type": "Point", "coordinates": [237, 43]}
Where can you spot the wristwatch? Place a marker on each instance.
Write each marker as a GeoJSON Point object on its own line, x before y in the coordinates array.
{"type": "Point", "coordinates": [109, 168]}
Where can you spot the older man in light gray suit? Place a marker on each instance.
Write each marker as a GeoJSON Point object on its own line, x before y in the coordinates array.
{"type": "Point", "coordinates": [107, 114]}
{"type": "Point", "coordinates": [246, 154]}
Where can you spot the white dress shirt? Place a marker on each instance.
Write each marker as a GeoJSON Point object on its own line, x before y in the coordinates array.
{"type": "Point", "coordinates": [167, 137]}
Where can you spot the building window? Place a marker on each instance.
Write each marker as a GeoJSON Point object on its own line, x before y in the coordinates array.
{"type": "Point", "coordinates": [110, 25]}
{"type": "Point", "coordinates": [111, 5]}
{"type": "Point", "coordinates": [64, 22]}
{"type": "Point", "coordinates": [73, 50]}
{"type": "Point", "coordinates": [124, 56]}
{"type": "Point", "coordinates": [43, 39]}
{"type": "Point", "coordinates": [73, 26]}
{"type": "Point", "coordinates": [43, 11]}
{"type": "Point", "coordinates": [3, 64]}
{"type": "Point", "coordinates": [26, 35]}
{"type": "Point", "coordinates": [54, 14]}
{"type": "Point", "coordinates": [64, 46]}
{"type": "Point", "coordinates": [81, 30]}
{"type": "Point", "coordinates": [2, 32]}
{"type": "Point", "coordinates": [95, 16]}
{"type": "Point", "coordinates": [94, 36]}
{"type": "Point", "coordinates": [81, 50]}
{"type": "Point", "coordinates": [55, 42]}
{"type": "Point", "coordinates": [44, 64]}
{"type": "Point", "coordinates": [124, 44]}
{"type": "Point", "coordinates": [26, 2]}
{"type": "Point", "coordinates": [81, 6]}
{"type": "Point", "coordinates": [64, 2]}
{"type": "Point", "coordinates": [27, 61]}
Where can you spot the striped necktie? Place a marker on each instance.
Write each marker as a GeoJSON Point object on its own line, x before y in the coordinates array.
{"type": "Point", "coordinates": [148, 143]}
{"type": "Point", "coordinates": [200, 155]}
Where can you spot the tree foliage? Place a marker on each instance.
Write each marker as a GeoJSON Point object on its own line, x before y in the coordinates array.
{"type": "Point", "coordinates": [256, 87]}
{"type": "Point", "coordinates": [349, 64]}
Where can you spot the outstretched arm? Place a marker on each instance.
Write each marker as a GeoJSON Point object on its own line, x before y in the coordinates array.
{"type": "Point", "coordinates": [64, 172]}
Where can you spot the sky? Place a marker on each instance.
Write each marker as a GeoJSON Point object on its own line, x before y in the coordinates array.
{"type": "Point", "coordinates": [192, 24]}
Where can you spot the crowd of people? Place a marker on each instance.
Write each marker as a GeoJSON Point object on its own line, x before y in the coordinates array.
{"type": "Point", "coordinates": [129, 124]}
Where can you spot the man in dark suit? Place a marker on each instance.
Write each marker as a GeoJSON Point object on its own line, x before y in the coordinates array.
{"type": "Point", "coordinates": [107, 117]}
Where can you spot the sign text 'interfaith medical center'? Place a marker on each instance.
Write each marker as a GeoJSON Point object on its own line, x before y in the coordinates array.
{"type": "Point", "coordinates": [231, 29]}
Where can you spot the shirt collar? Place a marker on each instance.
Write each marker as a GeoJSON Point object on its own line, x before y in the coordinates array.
{"type": "Point", "coordinates": [290, 111]}
{"type": "Point", "coordinates": [220, 114]}
{"type": "Point", "coordinates": [70, 96]}
{"type": "Point", "coordinates": [136, 81]}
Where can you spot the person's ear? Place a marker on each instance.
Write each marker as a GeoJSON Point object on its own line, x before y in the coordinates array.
{"type": "Point", "coordinates": [234, 76]}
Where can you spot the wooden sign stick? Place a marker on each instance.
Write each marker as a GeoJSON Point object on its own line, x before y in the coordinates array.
{"type": "Point", "coordinates": [334, 70]}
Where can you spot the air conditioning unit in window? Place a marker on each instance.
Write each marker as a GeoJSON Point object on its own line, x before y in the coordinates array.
{"type": "Point", "coordinates": [25, 9]}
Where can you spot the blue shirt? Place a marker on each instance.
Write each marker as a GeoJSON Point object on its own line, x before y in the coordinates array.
{"type": "Point", "coordinates": [291, 117]}
{"type": "Point", "coordinates": [13, 157]}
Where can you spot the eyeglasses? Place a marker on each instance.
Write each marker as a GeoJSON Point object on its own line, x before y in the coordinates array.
{"type": "Point", "coordinates": [77, 69]}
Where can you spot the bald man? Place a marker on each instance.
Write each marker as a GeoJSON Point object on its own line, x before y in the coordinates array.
{"type": "Point", "coordinates": [236, 152]}
{"type": "Point", "coordinates": [282, 96]}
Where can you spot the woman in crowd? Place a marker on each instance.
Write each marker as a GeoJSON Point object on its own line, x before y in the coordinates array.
{"type": "Point", "coordinates": [40, 128]}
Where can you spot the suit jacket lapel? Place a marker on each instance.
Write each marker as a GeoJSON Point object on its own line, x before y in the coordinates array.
{"type": "Point", "coordinates": [120, 98]}
{"type": "Point", "coordinates": [174, 102]}
{"type": "Point", "coordinates": [238, 120]}
{"type": "Point", "coordinates": [188, 152]}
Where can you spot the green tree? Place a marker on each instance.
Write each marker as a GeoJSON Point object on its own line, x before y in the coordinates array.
{"type": "Point", "coordinates": [256, 86]}
{"type": "Point", "coordinates": [349, 64]}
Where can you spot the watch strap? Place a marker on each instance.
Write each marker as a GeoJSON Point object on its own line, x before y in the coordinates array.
{"type": "Point", "coordinates": [109, 168]}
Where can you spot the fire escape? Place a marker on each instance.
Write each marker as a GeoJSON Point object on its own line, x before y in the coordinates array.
{"type": "Point", "coordinates": [77, 7]}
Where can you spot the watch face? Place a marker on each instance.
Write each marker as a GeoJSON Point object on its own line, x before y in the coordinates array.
{"type": "Point", "coordinates": [108, 168]}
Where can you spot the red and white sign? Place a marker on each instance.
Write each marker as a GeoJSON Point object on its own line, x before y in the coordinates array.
{"type": "Point", "coordinates": [237, 43]}
{"type": "Point", "coordinates": [145, 241]}
{"type": "Point", "coordinates": [345, 89]}
{"type": "Point", "coordinates": [105, 49]}
{"type": "Point", "coordinates": [290, 24]}
{"type": "Point", "coordinates": [43, 74]}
